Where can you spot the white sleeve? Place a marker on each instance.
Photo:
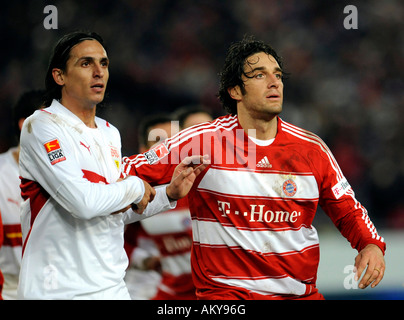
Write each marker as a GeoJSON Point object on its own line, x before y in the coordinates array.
{"type": "Point", "coordinates": [64, 181]}
{"type": "Point", "coordinates": [159, 204]}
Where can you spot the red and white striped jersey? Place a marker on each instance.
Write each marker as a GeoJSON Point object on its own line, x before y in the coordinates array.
{"type": "Point", "coordinates": [252, 208]}
{"type": "Point", "coordinates": [169, 234]}
{"type": "Point", "coordinates": [10, 201]}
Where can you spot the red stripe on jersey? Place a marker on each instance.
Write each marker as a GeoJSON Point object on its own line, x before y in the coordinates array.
{"type": "Point", "coordinates": [12, 235]}
{"type": "Point", "coordinates": [94, 177]}
{"type": "Point", "coordinates": [37, 196]}
{"type": "Point", "coordinates": [176, 287]}
{"type": "Point", "coordinates": [241, 264]}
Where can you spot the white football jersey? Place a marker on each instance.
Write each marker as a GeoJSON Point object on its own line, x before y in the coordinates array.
{"type": "Point", "coordinates": [72, 244]}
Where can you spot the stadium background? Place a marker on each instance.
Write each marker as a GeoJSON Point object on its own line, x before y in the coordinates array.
{"type": "Point", "coordinates": [345, 85]}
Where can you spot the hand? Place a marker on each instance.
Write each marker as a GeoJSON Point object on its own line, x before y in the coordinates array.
{"type": "Point", "coordinates": [149, 193]}
{"type": "Point", "coordinates": [372, 257]}
{"type": "Point", "coordinates": [184, 176]}
{"type": "Point", "coordinates": [152, 263]}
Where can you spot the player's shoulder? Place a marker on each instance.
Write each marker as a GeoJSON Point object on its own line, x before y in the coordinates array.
{"type": "Point", "coordinates": [227, 122]}
{"type": "Point", "coordinates": [297, 135]}
{"type": "Point", "coordinates": [106, 126]}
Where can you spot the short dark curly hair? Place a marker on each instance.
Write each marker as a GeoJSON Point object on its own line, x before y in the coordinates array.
{"type": "Point", "coordinates": [233, 69]}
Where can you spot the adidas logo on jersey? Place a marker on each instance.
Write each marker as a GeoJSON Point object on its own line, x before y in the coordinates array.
{"type": "Point", "coordinates": [264, 163]}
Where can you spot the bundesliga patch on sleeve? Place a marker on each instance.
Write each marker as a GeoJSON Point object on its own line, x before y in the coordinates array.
{"type": "Point", "coordinates": [341, 188]}
{"type": "Point", "coordinates": [54, 151]}
{"type": "Point", "coordinates": [156, 153]}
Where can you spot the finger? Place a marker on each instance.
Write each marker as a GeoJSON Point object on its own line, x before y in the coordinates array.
{"type": "Point", "coordinates": [370, 275]}
{"type": "Point", "coordinates": [137, 208]}
{"type": "Point", "coordinates": [199, 169]}
{"type": "Point", "coordinates": [360, 266]}
{"type": "Point", "coordinates": [196, 159]}
{"type": "Point", "coordinates": [379, 276]}
{"type": "Point", "coordinates": [152, 194]}
{"type": "Point", "coordinates": [367, 278]}
{"type": "Point", "coordinates": [205, 162]}
{"type": "Point", "coordinates": [184, 174]}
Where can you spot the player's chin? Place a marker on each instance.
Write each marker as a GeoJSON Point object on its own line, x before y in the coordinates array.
{"type": "Point", "coordinates": [97, 98]}
{"type": "Point", "coordinates": [275, 109]}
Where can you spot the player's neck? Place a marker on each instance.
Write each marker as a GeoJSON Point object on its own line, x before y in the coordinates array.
{"type": "Point", "coordinates": [86, 112]}
{"type": "Point", "coordinates": [265, 129]}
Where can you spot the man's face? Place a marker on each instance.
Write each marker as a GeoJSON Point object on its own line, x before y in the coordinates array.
{"type": "Point", "coordinates": [86, 75]}
{"type": "Point", "coordinates": [263, 88]}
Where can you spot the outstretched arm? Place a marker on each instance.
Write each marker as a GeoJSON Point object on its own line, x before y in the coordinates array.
{"type": "Point", "coordinates": [181, 183]}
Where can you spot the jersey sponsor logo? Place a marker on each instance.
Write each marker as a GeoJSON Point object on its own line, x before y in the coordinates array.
{"type": "Point", "coordinates": [54, 151]}
{"type": "Point", "coordinates": [258, 213]}
{"type": "Point", "coordinates": [340, 188]}
{"type": "Point", "coordinates": [264, 163]}
{"type": "Point", "coordinates": [289, 188]}
{"type": "Point", "coordinates": [156, 153]}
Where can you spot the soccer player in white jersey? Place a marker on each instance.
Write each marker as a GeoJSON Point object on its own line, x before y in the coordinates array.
{"type": "Point", "coordinates": [252, 208]}
{"type": "Point", "coordinates": [76, 203]}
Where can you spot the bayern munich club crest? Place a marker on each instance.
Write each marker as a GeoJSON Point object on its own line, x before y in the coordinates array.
{"type": "Point", "coordinates": [289, 188]}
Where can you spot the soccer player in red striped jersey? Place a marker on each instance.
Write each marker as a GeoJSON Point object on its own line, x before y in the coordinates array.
{"type": "Point", "coordinates": [252, 208]}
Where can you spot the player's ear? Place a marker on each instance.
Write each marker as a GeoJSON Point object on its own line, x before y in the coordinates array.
{"type": "Point", "coordinates": [58, 76]}
{"type": "Point", "coordinates": [235, 93]}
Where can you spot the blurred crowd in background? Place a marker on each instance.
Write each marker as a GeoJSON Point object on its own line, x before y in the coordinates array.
{"type": "Point", "coordinates": [345, 85]}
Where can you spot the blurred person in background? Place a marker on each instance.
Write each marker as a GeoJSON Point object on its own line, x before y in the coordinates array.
{"type": "Point", "coordinates": [164, 244]}
{"type": "Point", "coordinates": [252, 213]}
{"type": "Point", "coordinates": [144, 273]}
{"type": "Point", "coordinates": [10, 196]}
{"type": "Point", "coordinates": [76, 201]}
{"type": "Point", "coordinates": [189, 116]}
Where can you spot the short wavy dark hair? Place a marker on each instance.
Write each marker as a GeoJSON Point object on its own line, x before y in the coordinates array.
{"type": "Point", "coordinates": [233, 69]}
{"type": "Point", "coordinates": [61, 53]}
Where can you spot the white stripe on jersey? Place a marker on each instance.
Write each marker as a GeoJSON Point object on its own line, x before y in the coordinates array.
{"type": "Point", "coordinates": [172, 222]}
{"type": "Point", "coordinates": [177, 265]}
{"type": "Point", "coordinates": [288, 242]}
{"type": "Point", "coordinates": [280, 285]}
{"type": "Point", "coordinates": [250, 183]}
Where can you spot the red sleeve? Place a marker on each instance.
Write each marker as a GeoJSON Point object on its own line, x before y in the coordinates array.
{"type": "Point", "coordinates": [156, 166]}
{"type": "Point", "coordinates": [337, 199]}
{"type": "Point", "coordinates": [152, 166]}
